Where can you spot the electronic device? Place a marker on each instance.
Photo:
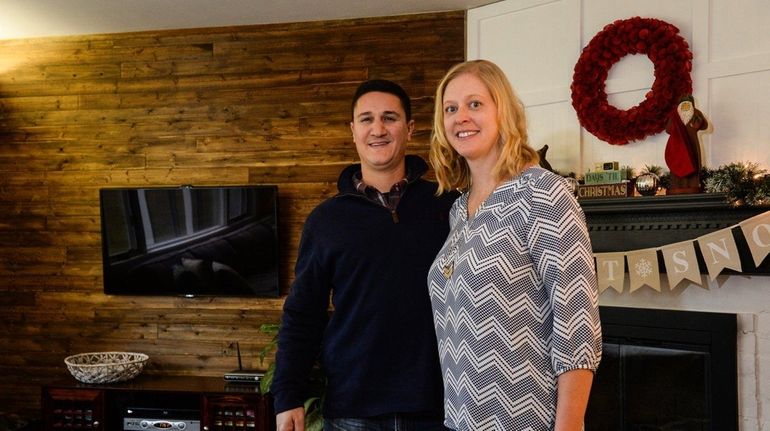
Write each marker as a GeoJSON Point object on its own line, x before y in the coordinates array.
{"type": "Point", "coordinates": [151, 419]}
{"type": "Point", "coordinates": [190, 241]}
{"type": "Point", "coordinates": [242, 375]}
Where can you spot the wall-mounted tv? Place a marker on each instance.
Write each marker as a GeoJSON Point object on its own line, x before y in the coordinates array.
{"type": "Point", "coordinates": [190, 241]}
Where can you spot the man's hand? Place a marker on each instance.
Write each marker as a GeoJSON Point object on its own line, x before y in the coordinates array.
{"type": "Point", "coordinates": [291, 420]}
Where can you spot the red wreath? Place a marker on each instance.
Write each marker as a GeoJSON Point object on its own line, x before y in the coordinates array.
{"type": "Point", "coordinates": [671, 58]}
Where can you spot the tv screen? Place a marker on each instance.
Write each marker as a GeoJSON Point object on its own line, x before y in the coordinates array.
{"type": "Point", "coordinates": [190, 241]}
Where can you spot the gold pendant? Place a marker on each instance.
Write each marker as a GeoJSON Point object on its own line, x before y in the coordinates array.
{"type": "Point", "coordinates": [448, 269]}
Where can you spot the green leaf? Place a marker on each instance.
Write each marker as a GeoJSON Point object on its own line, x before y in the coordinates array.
{"type": "Point", "coordinates": [269, 328]}
{"type": "Point", "coordinates": [309, 403]}
{"type": "Point", "coordinates": [314, 421]}
{"type": "Point", "coordinates": [267, 379]}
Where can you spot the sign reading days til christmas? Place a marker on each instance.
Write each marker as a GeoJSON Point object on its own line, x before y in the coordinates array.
{"type": "Point", "coordinates": [596, 191]}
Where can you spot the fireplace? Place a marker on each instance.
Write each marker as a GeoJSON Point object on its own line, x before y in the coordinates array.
{"type": "Point", "coordinates": [665, 370]}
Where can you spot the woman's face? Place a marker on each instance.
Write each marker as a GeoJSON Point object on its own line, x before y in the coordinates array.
{"type": "Point", "coordinates": [470, 119]}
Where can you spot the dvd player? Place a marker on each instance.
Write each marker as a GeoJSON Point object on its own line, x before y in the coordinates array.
{"type": "Point", "coordinates": [153, 419]}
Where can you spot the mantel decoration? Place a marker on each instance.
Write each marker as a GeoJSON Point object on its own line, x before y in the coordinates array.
{"type": "Point", "coordinates": [743, 183]}
{"type": "Point", "coordinates": [672, 60]}
{"type": "Point", "coordinates": [718, 249]}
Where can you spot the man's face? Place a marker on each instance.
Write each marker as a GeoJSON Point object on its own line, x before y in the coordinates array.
{"type": "Point", "coordinates": [380, 131]}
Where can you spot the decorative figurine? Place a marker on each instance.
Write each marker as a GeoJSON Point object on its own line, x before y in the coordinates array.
{"type": "Point", "coordinates": [683, 155]}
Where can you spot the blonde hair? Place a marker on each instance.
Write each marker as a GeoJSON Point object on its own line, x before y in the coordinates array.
{"type": "Point", "coordinates": [452, 171]}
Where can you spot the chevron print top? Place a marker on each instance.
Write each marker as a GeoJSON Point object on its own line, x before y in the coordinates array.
{"type": "Point", "coordinates": [515, 304]}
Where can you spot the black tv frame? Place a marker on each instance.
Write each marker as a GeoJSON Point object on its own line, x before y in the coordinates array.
{"type": "Point", "coordinates": [226, 272]}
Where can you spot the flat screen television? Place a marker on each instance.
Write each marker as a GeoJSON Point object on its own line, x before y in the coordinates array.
{"type": "Point", "coordinates": [190, 241]}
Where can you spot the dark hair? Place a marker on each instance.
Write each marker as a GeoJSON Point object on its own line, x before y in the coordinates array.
{"type": "Point", "coordinates": [383, 86]}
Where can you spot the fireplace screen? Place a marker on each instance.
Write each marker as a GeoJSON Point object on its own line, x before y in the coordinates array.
{"type": "Point", "coordinates": [665, 370]}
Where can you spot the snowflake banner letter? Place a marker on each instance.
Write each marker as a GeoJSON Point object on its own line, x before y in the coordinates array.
{"type": "Point", "coordinates": [720, 252]}
{"type": "Point", "coordinates": [756, 230]}
{"type": "Point", "coordinates": [643, 269]}
{"type": "Point", "coordinates": [610, 271]}
{"type": "Point", "coordinates": [681, 263]}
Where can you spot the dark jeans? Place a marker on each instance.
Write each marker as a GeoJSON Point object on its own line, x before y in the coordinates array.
{"type": "Point", "coordinates": [392, 422]}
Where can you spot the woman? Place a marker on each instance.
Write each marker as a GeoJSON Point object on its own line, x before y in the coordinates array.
{"type": "Point", "coordinates": [513, 288]}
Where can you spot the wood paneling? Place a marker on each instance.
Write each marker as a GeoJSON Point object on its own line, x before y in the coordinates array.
{"type": "Point", "coordinates": [236, 105]}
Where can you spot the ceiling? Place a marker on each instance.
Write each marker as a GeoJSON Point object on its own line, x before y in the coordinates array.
{"type": "Point", "coordinates": [38, 18]}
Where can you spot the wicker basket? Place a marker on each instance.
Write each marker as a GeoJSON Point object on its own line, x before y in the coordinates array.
{"type": "Point", "coordinates": [106, 367]}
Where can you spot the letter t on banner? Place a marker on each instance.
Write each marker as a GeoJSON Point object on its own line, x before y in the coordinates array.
{"type": "Point", "coordinates": [720, 252]}
{"type": "Point", "coordinates": [681, 263]}
{"type": "Point", "coordinates": [610, 271]}
{"type": "Point", "coordinates": [757, 233]}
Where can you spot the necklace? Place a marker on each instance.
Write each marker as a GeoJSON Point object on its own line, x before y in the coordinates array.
{"type": "Point", "coordinates": [447, 262]}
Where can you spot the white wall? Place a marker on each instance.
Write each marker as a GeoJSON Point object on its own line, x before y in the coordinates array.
{"type": "Point", "coordinates": [538, 42]}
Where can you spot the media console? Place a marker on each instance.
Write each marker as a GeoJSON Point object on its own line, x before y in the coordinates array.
{"type": "Point", "coordinates": [174, 402]}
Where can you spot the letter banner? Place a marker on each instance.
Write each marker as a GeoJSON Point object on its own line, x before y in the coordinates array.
{"type": "Point", "coordinates": [756, 230]}
{"type": "Point", "coordinates": [681, 263]}
{"type": "Point", "coordinates": [720, 252]}
{"type": "Point", "coordinates": [643, 269]}
{"type": "Point", "coordinates": [610, 271]}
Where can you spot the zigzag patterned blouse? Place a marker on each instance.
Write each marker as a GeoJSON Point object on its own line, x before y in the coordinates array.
{"type": "Point", "coordinates": [515, 304]}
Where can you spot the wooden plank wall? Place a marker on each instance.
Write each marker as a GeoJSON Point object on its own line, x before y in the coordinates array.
{"type": "Point", "coordinates": [221, 106]}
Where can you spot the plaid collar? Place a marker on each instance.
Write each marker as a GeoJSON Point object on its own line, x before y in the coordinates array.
{"type": "Point", "coordinates": [388, 200]}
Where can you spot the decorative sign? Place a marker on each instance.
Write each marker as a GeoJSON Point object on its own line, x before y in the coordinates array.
{"type": "Point", "coordinates": [620, 190]}
{"type": "Point", "coordinates": [719, 251]}
{"type": "Point", "coordinates": [604, 177]}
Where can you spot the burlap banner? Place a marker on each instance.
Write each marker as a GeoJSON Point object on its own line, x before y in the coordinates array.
{"type": "Point", "coordinates": [610, 271]}
{"type": "Point", "coordinates": [681, 263]}
{"type": "Point", "coordinates": [643, 269]}
{"type": "Point", "coordinates": [757, 233]}
{"type": "Point", "coordinates": [719, 251]}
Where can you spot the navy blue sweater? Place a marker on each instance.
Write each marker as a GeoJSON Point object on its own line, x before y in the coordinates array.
{"type": "Point", "coordinates": [378, 346]}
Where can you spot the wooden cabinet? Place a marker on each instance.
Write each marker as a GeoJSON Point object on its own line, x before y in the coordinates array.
{"type": "Point", "coordinates": [73, 409]}
{"type": "Point", "coordinates": [220, 406]}
{"type": "Point", "coordinates": [234, 413]}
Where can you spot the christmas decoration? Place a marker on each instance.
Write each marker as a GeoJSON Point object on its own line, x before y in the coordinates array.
{"type": "Point", "coordinates": [683, 147]}
{"type": "Point", "coordinates": [718, 250]}
{"type": "Point", "coordinates": [671, 58]}
{"type": "Point", "coordinates": [742, 183]}
{"type": "Point", "coordinates": [648, 182]}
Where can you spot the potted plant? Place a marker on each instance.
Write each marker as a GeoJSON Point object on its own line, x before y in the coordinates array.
{"type": "Point", "coordinates": [314, 404]}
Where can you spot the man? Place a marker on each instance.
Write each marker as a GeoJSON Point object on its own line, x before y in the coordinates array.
{"type": "Point", "coordinates": [370, 247]}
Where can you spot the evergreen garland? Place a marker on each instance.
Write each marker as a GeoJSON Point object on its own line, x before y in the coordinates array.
{"type": "Point", "coordinates": [742, 183]}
